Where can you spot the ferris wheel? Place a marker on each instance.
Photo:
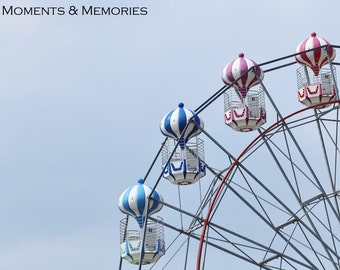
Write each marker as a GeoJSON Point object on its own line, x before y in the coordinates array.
{"type": "Point", "coordinates": [270, 203]}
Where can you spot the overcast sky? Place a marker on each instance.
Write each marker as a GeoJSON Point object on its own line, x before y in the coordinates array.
{"type": "Point", "coordinates": [81, 99]}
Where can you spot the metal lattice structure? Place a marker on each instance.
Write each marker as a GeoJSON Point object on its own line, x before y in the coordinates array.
{"type": "Point", "coordinates": [272, 203]}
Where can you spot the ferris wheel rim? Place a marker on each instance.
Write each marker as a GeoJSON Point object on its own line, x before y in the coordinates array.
{"type": "Point", "coordinates": [218, 190]}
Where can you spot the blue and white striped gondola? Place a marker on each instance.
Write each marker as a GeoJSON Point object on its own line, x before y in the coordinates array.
{"type": "Point", "coordinates": [134, 202]}
{"type": "Point", "coordinates": [174, 123]}
{"type": "Point", "coordinates": [186, 166]}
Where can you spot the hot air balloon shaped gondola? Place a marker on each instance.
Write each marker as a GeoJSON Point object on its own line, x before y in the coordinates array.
{"type": "Point", "coordinates": [135, 202]}
{"type": "Point", "coordinates": [244, 107]}
{"type": "Point", "coordinates": [315, 79]}
{"type": "Point", "coordinates": [185, 164]}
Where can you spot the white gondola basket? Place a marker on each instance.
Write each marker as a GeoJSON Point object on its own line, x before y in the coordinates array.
{"type": "Point", "coordinates": [316, 89]}
{"type": "Point", "coordinates": [185, 166]}
{"type": "Point", "coordinates": [244, 114]}
{"type": "Point", "coordinates": [131, 239]}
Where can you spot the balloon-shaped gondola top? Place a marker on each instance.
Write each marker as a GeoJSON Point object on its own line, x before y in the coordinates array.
{"type": "Point", "coordinates": [134, 202]}
{"type": "Point", "coordinates": [317, 56]}
{"type": "Point", "coordinates": [174, 123]}
{"type": "Point", "coordinates": [236, 69]}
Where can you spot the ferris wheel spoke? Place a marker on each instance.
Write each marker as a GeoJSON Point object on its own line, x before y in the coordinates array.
{"type": "Point", "coordinates": [296, 192]}
{"type": "Point", "coordinates": [308, 245]}
{"type": "Point", "coordinates": [276, 230]}
{"type": "Point", "coordinates": [334, 139]}
{"type": "Point", "coordinates": [313, 229]}
{"type": "Point", "coordinates": [266, 219]}
{"type": "Point", "coordinates": [328, 249]}
{"type": "Point", "coordinates": [258, 200]}
{"type": "Point", "coordinates": [329, 228]}
{"type": "Point", "coordinates": [314, 174]}
{"type": "Point", "coordinates": [286, 128]}
{"type": "Point", "coordinates": [237, 246]}
{"type": "Point", "coordinates": [334, 142]}
{"type": "Point", "coordinates": [331, 165]}
{"type": "Point", "coordinates": [206, 200]}
{"type": "Point", "coordinates": [242, 245]}
{"type": "Point", "coordinates": [294, 165]}
{"type": "Point", "coordinates": [334, 239]}
{"type": "Point", "coordinates": [336, 153]}
{"type": "Point", "coordinates": [310, 220]}
{"type": "Point", "coordinates": [322, 139]}
{"type": "Point", "coordinates": [213, 225]}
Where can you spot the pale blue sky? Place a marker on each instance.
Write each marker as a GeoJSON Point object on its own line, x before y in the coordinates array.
{"type": "Point", "coordinates": [81, 99]}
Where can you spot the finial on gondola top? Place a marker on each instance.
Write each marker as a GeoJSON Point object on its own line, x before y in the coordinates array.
{"type": "Point", "coordinates": [316, 56]}
{"type": "Point", "coordinates": [174, 123]}
{"type": "Point", "coordinates": [234, 70]}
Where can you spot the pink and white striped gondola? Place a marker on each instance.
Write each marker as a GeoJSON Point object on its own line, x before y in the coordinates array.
{"type": "Point", "coordinates": [316, 55]}
{"type": "Point", "coordinates": [245, 112]}
{"type": "Point", "coordinates": [316, 84]}
{"type": "Point", "coordinates": [237, 68]}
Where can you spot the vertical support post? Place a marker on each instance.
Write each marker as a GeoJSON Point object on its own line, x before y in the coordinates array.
{"type": "Point", "coordinates": [307, 75]}
{"type": "Point", "coordinates": [332, 71]}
